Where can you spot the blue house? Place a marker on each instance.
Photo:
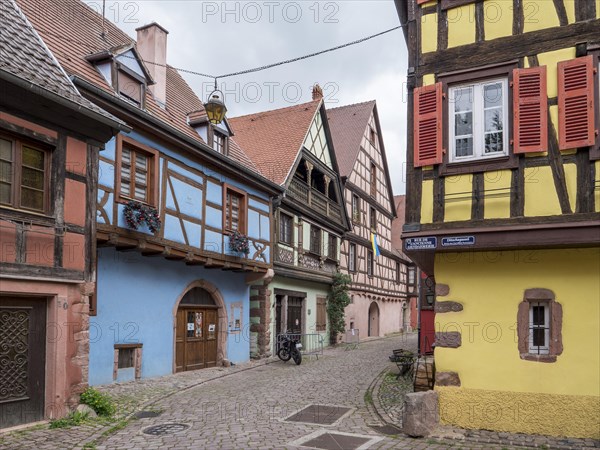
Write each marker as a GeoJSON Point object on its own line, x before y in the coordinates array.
{"type": "Point", "coordinates": [172, 290]}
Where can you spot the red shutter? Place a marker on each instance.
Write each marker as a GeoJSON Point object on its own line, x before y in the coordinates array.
{"type": "Point", "coordinates": [428, 125]}
{"type": "Point", "coordinates": [576, 103]}
{"type": "Point", "coordinates": [530, 105]}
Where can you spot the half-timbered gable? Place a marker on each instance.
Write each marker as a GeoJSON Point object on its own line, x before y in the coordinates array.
{"type": "Point", "coordinates": [503, 139]}
{"type": "Point", "coordinates": [183, 216]}
{"type": "Point", "coordinates": [50, 137]}
{"type": "Point", "coordinates": [293, 147]}
{"type": "Point", "coordinates": [369, 204]}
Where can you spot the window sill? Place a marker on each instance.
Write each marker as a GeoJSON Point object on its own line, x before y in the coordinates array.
{"type": "Point", "coordinates": [480, 165]}
{"type": "Point", "coordinates": [124, 200]}
{"type": "Point", "coordinates": [23, 214]}
{"type": "Point", "coordinates": [538, 358]}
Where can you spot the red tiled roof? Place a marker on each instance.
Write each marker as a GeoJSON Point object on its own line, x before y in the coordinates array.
{"type": "Point", "coordinates": [72, 31]}
{"type": "Point", "coordinates": [347, 125]}
{"type": "Point", "coordinates": [273, 139]}
{"type": "Point", "coordinates": [24, 55]}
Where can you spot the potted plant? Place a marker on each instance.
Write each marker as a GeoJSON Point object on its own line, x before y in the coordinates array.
{"type": "Point", "coordinates": [137, 214]}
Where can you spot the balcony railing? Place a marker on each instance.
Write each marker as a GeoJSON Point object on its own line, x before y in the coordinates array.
{"type": "Point", "coordinates": [300, 191]}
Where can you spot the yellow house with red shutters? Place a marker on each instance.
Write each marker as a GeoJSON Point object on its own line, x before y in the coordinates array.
{"type": "Point", "coordinates": [503, 207]}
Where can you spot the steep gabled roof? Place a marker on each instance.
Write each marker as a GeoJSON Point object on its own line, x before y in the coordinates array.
{"type": "Point", "coordinates": [397, 224]}
{"type": "Point", "coordinates": [347, 125]}
{"type": "Point", "coordinates": [273, 139]}
{"type": "Point", "coordinates": [24, 55]}
{"type": "Point", "coordinates": [74, 32]}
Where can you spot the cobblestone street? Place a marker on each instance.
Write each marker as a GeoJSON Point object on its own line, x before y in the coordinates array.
{"type": "Point", "coordinates": [235, 408]}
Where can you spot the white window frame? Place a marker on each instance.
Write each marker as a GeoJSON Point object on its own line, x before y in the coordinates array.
{"type": "Point", "coordinates": [478, 121]}
{"type": "Point", "coordinates": [543, 349]}
{"type": "Point", "coordinates": [352, 258]}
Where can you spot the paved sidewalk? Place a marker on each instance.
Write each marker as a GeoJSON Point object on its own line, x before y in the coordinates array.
{"type": "Point", "coordinates": [245, 406]}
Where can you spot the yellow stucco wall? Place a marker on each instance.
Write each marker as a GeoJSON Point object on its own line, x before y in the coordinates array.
{"type": "Point", "coordinates": [497, 199]}
{"type": "Point", "coordinates": [458, 197]}
{"type": "Point", "coordinates": [428, 79]}
{"type": "Point", "coordinates": [498, 19]}
{"type": "Point", "coordinates": [541, 198]}
{"type": "Point", "coordinates": [427, 201]}
{"type": "Point", "coordinates": [571, 182]}
{"type": "Point", "coordinates": [500, 391]}
{"type": "Point", "coordinates": [597, 9]}
{"type": "Point", "coordinates": [539, 15]}
{"type": "Point", "coordinates": [597, 189]}
{"type": "Point", "coordinates": [461, 25]}
{"type": "Point", "coordinates": [570, 7]}
{"type": "Point", "coordinates": [429, 33]}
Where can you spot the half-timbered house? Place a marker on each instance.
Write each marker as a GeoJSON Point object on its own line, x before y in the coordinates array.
{"type": "Point", "coordinates": [292, 147]}
{"type": "Point", "coordinates": [503, 207]}
{"type": "Point", "coordinates": [172, 291]}
{"type": "Point", "coordinates": [49, 141]}
{"type": "Point", "coordinates": [379, 274]}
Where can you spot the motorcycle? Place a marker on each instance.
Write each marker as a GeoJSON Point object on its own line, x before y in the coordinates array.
{"type": "Point", "coordinates": [290, 349]}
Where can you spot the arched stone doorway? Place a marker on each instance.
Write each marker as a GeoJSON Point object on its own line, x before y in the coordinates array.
{"type": "Point", "coordinates": [200, 333]}
{"type": "Point", "coordinates": [374, 319]}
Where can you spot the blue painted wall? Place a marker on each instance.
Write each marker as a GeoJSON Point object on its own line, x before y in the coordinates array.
{"type": "Point", "coordinates": [189, 199]}
{"type": "Point", "coordinates": [136, 297]}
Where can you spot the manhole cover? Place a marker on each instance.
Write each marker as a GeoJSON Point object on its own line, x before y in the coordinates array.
{"type": "Point", "coordinates": [328, 440]}
{"type": "Point", "coordinates": [319, 414]}
{"type": "Point", "coordinates": [165, 428]}
{"type": "Point", "coordinates": [146, 414]}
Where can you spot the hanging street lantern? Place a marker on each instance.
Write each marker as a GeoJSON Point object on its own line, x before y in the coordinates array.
{"type": "Point", "coordinates": [215, 107]}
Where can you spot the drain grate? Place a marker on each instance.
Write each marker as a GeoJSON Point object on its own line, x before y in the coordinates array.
{"type": "Point", "coordinates": [319, 414]}
{"type": "Point", "coordinates": [329, 440]}
{"type": "Point", "coordinates": [146, 414]}
{"type": "Point", "coordinates": [165, 428]}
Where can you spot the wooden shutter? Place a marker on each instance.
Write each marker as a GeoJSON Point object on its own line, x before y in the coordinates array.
{"type": "Point", "coordinates": [530, 105]}
{"type": "Point", "coordinates": [428, 125]}
{"type": "Point", "coordinates": [576, 103]}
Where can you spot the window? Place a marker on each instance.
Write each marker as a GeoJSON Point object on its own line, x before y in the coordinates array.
{"type": "Point", "coordinates": [370, 263]}
{"type": "Point", "coordinates": [321, 314]}
{"type": "Point", "coordinates": [126, 358]}
{"type": "Point", "coordinates": [372, 135]}
{"type": "Point", "coordinates": [411, 275]}
{"type": "Point", "coordinates": [478, 117]}
{"type": "Point", "coordinates": [24, 176]}
{"type": "Point", "coordinates": [373, 218]}
{"type": "Point", "coordinates": [373, 180]}
{"type": "Point", "coordinates": [355, 208]}
{"type": "Point", "coordinates": [138, 171]}
{"type": "Point", "coordinates": [218, 142]}
{"type": "Point", "coordinates": [539, 326]}
{"type": "Point", "coordinates": [352, 258]}
{"type": "Point", "coordinates": [315, 240]}
{"type": "Point", "coordinates": [234, 214]}
{"type": "Point", "coordinates": [130, 87]}
{"type": "Point", "coordinates": [286, 232]}
{"type": "Point", "coordinates": [332, 247]}
{"type": "Point", "coordinates": [397, 272]}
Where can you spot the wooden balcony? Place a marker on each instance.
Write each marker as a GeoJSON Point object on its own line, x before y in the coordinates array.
{"type": "Point", "coordinates": [301, 192]}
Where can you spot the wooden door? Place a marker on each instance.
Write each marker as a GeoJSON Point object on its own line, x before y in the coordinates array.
{"type": "Point", "coordinates": [294, 315]}
{"type": "Point", "coordinates": [373, 319]}
{"type": "Point", "coordinates": [22, 360]}
{"type": "Point", "coordinates": [196, 338]}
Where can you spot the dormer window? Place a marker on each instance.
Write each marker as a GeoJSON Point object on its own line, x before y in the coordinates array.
{"type": "Point", "coordinates": [218, 142]}
{"type": "Point", "coordinates": [130, 87]}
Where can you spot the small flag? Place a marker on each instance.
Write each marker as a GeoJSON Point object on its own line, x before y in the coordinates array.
{"type": "Point", "coordinates": [374, 244]}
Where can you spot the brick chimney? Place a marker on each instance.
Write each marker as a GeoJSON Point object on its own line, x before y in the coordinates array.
{"type": "Point", "coordinates": [317, 92]}
{"type": "Point", "coordinates": [152, 46]}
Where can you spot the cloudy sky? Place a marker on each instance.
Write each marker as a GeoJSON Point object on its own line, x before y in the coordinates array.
{"type": "Point", "coordinates": [223, 37]}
